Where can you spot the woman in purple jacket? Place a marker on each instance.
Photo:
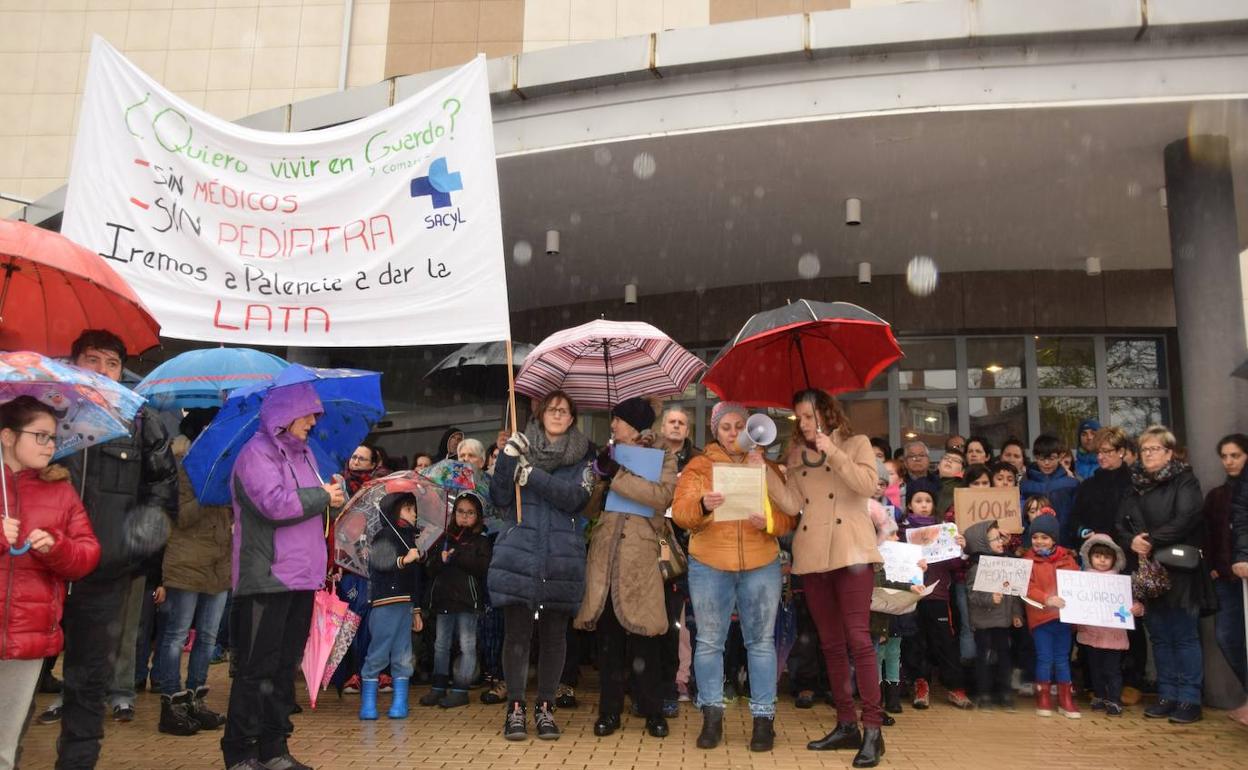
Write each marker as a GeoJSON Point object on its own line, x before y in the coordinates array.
{"type": "Point", "coordinates": [279, 561]}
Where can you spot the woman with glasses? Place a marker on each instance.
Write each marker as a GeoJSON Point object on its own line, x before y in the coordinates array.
{"type": "Point", "coordinates": [1099, 496]}
{"type": "Point", "coordinates": [48, 541]}
{"type": "Point", "coordinates": [537, 574]}
{"type": "Point", "coordinates": [1161, 520]}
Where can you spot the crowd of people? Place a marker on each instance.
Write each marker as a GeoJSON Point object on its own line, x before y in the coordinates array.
{"type": "Point", "coordinates": [562, 556]}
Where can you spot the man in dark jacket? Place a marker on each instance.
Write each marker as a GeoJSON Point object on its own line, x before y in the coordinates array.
{"type": "Point", "coordinates": [127, 486]}
{"type": "Point", "coordinates": [675, 436]}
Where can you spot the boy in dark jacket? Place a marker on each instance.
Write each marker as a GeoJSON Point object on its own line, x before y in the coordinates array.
{"type": "Point", "coordinates": [457, 565]}
{"type": "Point", "coordinates": [394, 584]}
{"type": "Point", "coordinates": [1047, 477]}
{"type": "Point", "coordinates": [993, 615]}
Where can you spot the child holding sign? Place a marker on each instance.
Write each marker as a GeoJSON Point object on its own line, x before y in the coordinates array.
{"type": "Point", "coordinates": [1051, 635]}
{"type": "Point", "coordinates": [934, 642]}
{"type": "Point", "coordinates": [992, 617]}
{"type": "Point", "coordinates": [888, 629]}
{"type": "Point", "coordinates": [1105, 645]}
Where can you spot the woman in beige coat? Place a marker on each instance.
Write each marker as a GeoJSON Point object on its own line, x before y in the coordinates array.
{"type": "Point", "coordinates": [834, 550]}
{"type": "Point", "coordinates": [623, 587]}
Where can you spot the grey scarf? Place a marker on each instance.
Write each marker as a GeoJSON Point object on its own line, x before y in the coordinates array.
{"type": "Point", "coordinates": [568, 449]}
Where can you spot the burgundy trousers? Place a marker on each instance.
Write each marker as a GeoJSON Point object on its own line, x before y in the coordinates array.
{"type": "Point", "coordinates": [840, 604]}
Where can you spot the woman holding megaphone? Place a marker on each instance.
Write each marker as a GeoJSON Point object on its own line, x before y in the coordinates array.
{"type": "Point", "coordinates": [734, 563]}
{"type": "Point", "coordinates": [834, 550]}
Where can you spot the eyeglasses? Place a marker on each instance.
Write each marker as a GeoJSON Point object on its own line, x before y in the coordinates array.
{"type": "Point", "coordinates": [558, 411]}
{"type": "Point", "coordinates": [999, 539]}
{"type": "Point", "coordinates": [1144, 450]}
{"type": "Point", "coordinates": [1049, 457]}
{"type": "Point", "coordinates": [361, 459]}
{"type": "Point", "coordinates": [1109, 451]}
{"type": "Point", "coordinates": [41, 438]}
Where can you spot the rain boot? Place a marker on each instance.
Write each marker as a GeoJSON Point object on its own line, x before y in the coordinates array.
{"type": "Point", "coordinates": [199, 711]}
{"type": "Point", "coordinates": [1044, 700]}
{"type": "Point", "coordinates": [368, 699]}
{"type": "Point", "coordinates": [1066, 701]}
{"type": "Point", "coordinates": [398, 702]}
{"type": "Point", "coordinates": [712, 727]}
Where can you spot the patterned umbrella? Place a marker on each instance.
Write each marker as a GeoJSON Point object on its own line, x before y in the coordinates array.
{"type": "Point", "coordinates": [361, 517]}
{"type": "Point", "coordinates": [601, 363]}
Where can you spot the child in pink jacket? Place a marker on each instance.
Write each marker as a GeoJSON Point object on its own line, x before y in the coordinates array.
{"type": "Point", "coordinates": [1105, 645]}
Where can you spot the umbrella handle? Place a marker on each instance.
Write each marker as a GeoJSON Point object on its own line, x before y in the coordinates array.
{"type": "Point", "coordinates": [823, 458]}
{"type": "Point", "coordinates": [4, 490]}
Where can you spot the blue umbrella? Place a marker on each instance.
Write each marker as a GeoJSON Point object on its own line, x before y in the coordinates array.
{"type": "Point", "coordinates": [202, 378]}
{"type": "Point", "coordinates": [352, 402]}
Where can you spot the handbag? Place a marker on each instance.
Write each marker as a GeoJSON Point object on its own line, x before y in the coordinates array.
{"type": "Point", "coordinates": [1181, 557]}
{"type": "Point", "coordinates": [1150, 580]}
{"type": "Point", "coordinates": [673, 562]}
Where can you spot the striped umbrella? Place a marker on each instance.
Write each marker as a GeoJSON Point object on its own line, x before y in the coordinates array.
{"type": "Point", "coordinates": [601, 363]}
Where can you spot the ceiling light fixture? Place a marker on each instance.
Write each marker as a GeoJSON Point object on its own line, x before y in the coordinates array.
{"type": "Point", "coordinates": [630, 294]}
{"type": "Point", "coordinates": [853, 212]}
{"type": "Point", "coordinates": [1092, 266]}
{"type": "Point", "coordinates": [552, 242]}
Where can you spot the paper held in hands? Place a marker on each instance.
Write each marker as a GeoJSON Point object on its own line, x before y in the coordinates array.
{"type": "Point", "coordinates": [938, 541]}
{"type": "Point", "coordinates": [901, 562]}
{"type": "Point", "coordinates": [743, 488]}
{"type": "Point", "coordinates": [1096, 598]}
{"type": "Point", "coordinates": [1002, 575]}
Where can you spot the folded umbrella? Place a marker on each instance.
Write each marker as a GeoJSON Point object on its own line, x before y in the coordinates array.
{"type": "Point", "coordinates": [329, 614]}
{"type": "Point", "coordinates": [200, 379]}
{"type": "Point", "coordinates": [352, 402]}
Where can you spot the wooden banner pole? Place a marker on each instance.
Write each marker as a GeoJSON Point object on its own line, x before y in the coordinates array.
{"type": "Point", "coordinates": [511, 407]}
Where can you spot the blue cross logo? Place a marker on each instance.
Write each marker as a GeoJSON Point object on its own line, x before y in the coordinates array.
{"type": "Point", "coordinates": [438, 185]}
{"type": "Point", "coordinates": [1122, 614]}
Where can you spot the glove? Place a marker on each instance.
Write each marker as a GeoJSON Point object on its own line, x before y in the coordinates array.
{"type": "Point", "coordinates": [522, 471]}
{"type": "Point", "coordinates": [605, 465]}
{"type": "Point", "coordinates": [517, 445]}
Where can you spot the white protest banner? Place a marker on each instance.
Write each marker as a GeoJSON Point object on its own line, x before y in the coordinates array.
{"type": "Point", "coordinates": [901, 562]}
{"type": "Point", "coordinates": [1096, 598]}
{"type": "Point", "coordinates": [1001, 575]}
{"type": "Point", "coordinates": [382, 231]}
{"type": "Point", "coordinates": [972, 505]}
{"type": "Point", "coordinates": [938, 541]}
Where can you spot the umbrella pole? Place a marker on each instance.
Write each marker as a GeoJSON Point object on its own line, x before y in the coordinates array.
{"type": "Point", "coordinates": [9, 269]}
{"type": "Point", "coordinates": [801, 356]}
{"type": "Point", "coordinates": [511, 404]}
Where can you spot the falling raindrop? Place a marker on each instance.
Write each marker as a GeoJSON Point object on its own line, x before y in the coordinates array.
{"type": "Point", "coordinates": [728, 224]}
{"type": "Point", "coordinates": [1133, 189]}
{"type": "Point", "coordinates": [602, 156]}
{"type": "Point", "coordinates": [921, 276]}
{"type": "Point", "coordinates": [522, 253]}
{"type": "Point", "coordinates": [575, 218]}
{"type": "Point", "coordinates": [797, 239]}
{"type": "Point", "coordinates": [644, 166]}
{"type": "Point", "coordinates": [759, 192]}
{"type": "Point", "coordinates": [808, 265]}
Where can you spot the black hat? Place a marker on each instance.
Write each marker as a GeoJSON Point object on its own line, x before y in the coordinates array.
{"type": "Point", "coordinates": [637, 412]}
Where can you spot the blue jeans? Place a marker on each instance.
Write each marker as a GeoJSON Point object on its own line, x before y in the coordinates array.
{"type": "Point", "coordinates": [966, 635]}
{"type": "Point", "coordinates": [756, 596]}
{"type": "Point", "coordinates": [1229, 625]}
{"type": "Point", "coordinates": [390, 643]}
{"type": "Point", "coordinates": [1175, 635]}
{"type": "Point", "coordinates": [1052, 652]}
{"type": "Point", "coordinates": [182, 608]}
{"type": "Point", "coordinates": [452, 625]}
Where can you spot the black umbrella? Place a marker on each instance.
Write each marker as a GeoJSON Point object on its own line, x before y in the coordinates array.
{"type": "Point", "coordinates": [479, 368]}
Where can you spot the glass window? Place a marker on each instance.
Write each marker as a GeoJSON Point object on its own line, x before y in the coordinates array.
{"type": "Point", "coordinates": [1065, 362]}
{"type": "Point", "coordinates": [998, 419]}
{"type": "Point", "coordinates": [930, 420]}
{"type": "Point", "coordinates": [1060, 415]}
{"type": "Point", "coordinates": [995, 362]}
{"type": "Point", "coordinates": [1135, 363]}
{"type": "Point", "coordinates": [868, 416]}
{"type": "Point", "coordinates": [1135, 414]}
{"type": "Point", "coordinates": [929, 365]}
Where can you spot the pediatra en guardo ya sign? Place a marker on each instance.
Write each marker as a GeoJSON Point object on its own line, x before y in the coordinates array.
{"type": "Point", "coordinates": [373, 232]}
{"type": "Point", "coordinates": [1096, 598]}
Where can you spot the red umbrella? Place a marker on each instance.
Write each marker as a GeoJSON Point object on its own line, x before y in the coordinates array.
{"type": "Point", "coordinates": [52, 290]}
{"type": "Point", "coordinates": [835, 346]}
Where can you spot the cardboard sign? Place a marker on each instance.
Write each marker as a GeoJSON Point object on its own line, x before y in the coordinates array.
{"type": "Point", "coordinates": [1096, 598]}
{"type": "Point", "coordinates": [938, 542]}
{"type": "Point", "coordinates": [973, 505]}
{"type": "Point", "coordinates": [901, 562]}
{"type": "Point", "coordinates": [1001, 575]}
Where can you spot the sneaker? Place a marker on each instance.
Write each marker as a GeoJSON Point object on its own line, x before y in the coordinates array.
{"type": "Point", "coordinates": [959, 699]}
{"type": "Point", "coordinates": [352, 685]}
{"type": "Point", "coordinates": [515, 726]}
{"type": "Point", "coordinates": [1186, 714]}
{"type": "Point", "coordinates": [386, 683]}
{"type": "Point", "coordinates": [1112, 709]}
{"type": "Point", "coordinates": [219, 656]}
{"type": "Point", "coordinates": [544, 718]}
{"type": "Point", "coordinates": [565, 697]}
{"type": "Point", "coordinates": [1098, 704]}
{"type": "Point", "coordinates": [495, 692]}
{"type": "Point", "coordinates": [671, 709]}
{"type": "Point", "coordinates": [285, 762]}
{"type": "Point", "coordinates": [922, 697]}
{"type": "Point", "coordinates": [682, 692]}
{"type": "Point", "coordinates": [123, 712]}
{"type": "Point", "coordinates": [50, 716]}
{"type": "Point", "coordinates": [1161, 709]}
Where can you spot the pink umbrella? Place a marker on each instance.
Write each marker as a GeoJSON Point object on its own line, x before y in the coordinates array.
{"type": "Point", "coordinates": [601, 363]}
{"type": "Point", "coordinates": [329, 615]}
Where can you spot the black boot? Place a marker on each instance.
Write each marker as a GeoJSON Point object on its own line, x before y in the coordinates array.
{"type": "Point", "coordinates": [175, 718]}
{"type": "Point", "coordinates": [712, 727]}
{"type": "Point", "coordinates": [199, 711]}
{"type": "Point", "coordinates": [845, 736]}
{"type": "Point", "coordinates": [657, 726]}
{"type": "Point", "coordinates": [892, 697]}
{"type": "Point", "coordinates": [872, 748]}
{"type": "Point", "coordinates": [764, 737]}
{"type": "Point", "coordinates": [606, 725]}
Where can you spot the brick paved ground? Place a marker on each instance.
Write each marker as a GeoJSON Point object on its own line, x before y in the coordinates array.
{"type": "Point", "coordinates": [468, 739]}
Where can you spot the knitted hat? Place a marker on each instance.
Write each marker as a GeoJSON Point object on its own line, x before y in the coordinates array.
{"type": "Point", "coordinates": [1046, 524]}
{"type": "Point", "coordinates": [881, 470]}
{"type": "Point", "coordinates": [637, 412]}
{"type": "Point", "coordinates": [722, 410]}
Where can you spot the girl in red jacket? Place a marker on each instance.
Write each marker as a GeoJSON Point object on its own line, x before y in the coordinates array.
{"type": "Point", "coordinates": [1050, 634]}
{"type": "Point", "coordinates": [50, 518]}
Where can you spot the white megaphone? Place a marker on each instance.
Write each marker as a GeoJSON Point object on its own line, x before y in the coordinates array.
{"type": "Point", "coordinates": [760, 430]}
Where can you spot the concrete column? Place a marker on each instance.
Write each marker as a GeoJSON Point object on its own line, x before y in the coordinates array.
{"type": "Point", "coordinates": [1208, 298]}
